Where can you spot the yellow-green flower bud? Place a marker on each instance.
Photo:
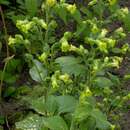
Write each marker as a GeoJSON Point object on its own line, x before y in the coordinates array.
{"type": "Point", "coordinates": [73, 48]}
{"type": "Point", "coordinates": [113, 127]}
{"type": "Point", "coordinates": [67, 35]}
{"type": "Point", "coordinates": [86, 93]}
{"type": "Point", "coordinates": [54, 82]}
{"type": "Point", "coordinates": [116, 61]}
{"type": "Point", "coordinates": [103, 33]}
{"type": "Point", "coordinates": [53, 24]}
{"type": "Point", "coordinates": [82, 50]}
{"type": "Point", "coordinates": [94, 28]}
{"type": "Point", "coordinates": [71, 8]}
{"type": "Point", "coordinates": [25, 25]}
{"type": "Point", "coordinates": [50, 3]}
{"type": "Point", "coordinates": [65, 78]}
{"type": "Point", "coordinates": [43, 57]}
{"type": "Point", "coordinates": [65, 45]}
{"type": "Point", "coordinates": [102, 46]}
{"type": "Point", "coordinates": [125, 48]}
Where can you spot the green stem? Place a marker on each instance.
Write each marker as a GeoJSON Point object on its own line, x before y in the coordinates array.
{"type": "Point", "coordinates": [47, 31]}
{"type": "Point", "coordinates": [2, 78]}
{"type": "Point", "coordinates": [3, 74]}
{"type": "Point", "coordinates": [72, 125]}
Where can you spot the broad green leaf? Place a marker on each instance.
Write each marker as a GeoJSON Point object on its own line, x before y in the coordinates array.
{"type": "Point", "coordinates": [38, 71]}
{"type": "Point", "coordinates": [102, 82]}
{"type": "Point", "coordinates": [31, 122]}
{"type": "Point", "coordinates": [66, 103]}
{"type": "Point", "coordinates": [4, 2]}
{"type": "Point", "coordinates": [83, 111]}
{"type": "Point", "coordinates": [71, 65]}
{"type": "Point", "coordinates": [55, 123]}
{"type": "Point", "coordinates": [51, 104]}
{"type": "Point", "coordinates": [101, 120]}
{"type": "Point", "coordinates": [88, 124]}
{"type": "Point", "coordinates": [38, 105]}
{"type": "Point", "coordinates": [31, 6]}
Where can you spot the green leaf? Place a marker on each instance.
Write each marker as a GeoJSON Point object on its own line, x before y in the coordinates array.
{"type": "Point", "coordinates": [2, 120]}
{"type": "Point", "coordinates": [31, 122]}
{"type": "Point", "coordinates": [9, 91]}
{"type": "Point", "coordinates": [38, 105]}
{"type": "Point", "coordinates": [66, 104]}
{"type": "Point", "coordinates": [38, 71]}
{"type": "Point", "coordinates": [31, 6]}
{"type": "Point", "coordinates": [55, 123]}
{"type": "Point", "coordinates": [4, 2]}
{"type": "Point", "coordinates": [101, 120]}
{"type": "Point", "coordinates": [8, 77]}
{"type": "Point", "coordinates": [62, 12]}
{"type": "Point", "coordinates": [77, 16]}
{"type": "Point", "coordinates": [51, 104]}
{"type": "Point", "coordinates": [80, 29]}
{"type": "Point", "coordinates": [71, 65]}
{"type": "Point", "coordinates": [127, 22]}
{"type": "Point", "coordinates": [99, 8]}
{"type": "Point", "coordinates": [102, 82]}
{"type": "Point", "coordinates": [13, 65]}
{"type": "Point", "coordinates": [114, 78]}
{"type": "Point", "coordinates": [83, 111]}
{"type": "Point", "coordinates": [88, 124]}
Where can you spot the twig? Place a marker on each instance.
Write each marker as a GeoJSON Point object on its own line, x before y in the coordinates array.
{"type": "Point", "coordinates": [5, 31]}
